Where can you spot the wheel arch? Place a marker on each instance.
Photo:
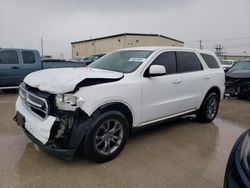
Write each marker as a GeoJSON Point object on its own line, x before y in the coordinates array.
{"type": "Point", "coordinates": [215, 89]}
{"type": "Point", "coordinates": [118, 106]}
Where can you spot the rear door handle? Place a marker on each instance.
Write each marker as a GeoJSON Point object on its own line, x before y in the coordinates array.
{"type": "Point", "coordinates": [176, 81]}
{"type": "Point", "coordinates": [15, 67]}
{"type": "Point", "coordinates": [207, 77]}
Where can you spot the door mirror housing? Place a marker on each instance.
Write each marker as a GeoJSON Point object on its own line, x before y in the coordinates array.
{"type": "Point", "coordinates": [156, 70]}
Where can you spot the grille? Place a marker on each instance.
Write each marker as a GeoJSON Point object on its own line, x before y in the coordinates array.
{"type": "Point", "coordinates": [37, 105]}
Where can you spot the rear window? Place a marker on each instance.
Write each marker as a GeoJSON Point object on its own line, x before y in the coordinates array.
{"type": "Point", "coordinates": [210, 61]}
{"type": "Point", "coordinates": [188, 62]}
{"type": "Point", "coordinates": [8, 57]}
{"type": "Point", "coordinates": [28, 57]}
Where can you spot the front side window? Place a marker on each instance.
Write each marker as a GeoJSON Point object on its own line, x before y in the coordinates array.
{"type": "Point", "coordinates": [188, 62]}
{"type": "Point", "coordinates": [168, 60]}
{"type": "Point", "coordinates": [125, 61]}
{"type": "Point", "coordinates": [28, 57]}
{"type": "Point", "coordinates": [8, 57]}
{"type": "Point", "coordinates": [210, 61]}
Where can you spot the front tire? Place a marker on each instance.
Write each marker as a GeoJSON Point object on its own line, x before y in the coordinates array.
{"type": "Point", "coordinates": [209, 108]}
{"type": "Point", "coordinates": [106, 138]}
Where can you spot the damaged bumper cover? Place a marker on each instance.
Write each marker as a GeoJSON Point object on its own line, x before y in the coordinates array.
{"type": "Point", "coordinates": [56, 150]}
{"type": "Point", "coordinates": [237, 87]}
{"type": "Point", "coordinates": [44, 132]}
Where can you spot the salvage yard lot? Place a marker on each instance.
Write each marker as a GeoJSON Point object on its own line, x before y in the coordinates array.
{"type": "Point", "coordinates": [183, 153]}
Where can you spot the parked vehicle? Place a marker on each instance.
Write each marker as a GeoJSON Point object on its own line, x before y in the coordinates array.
{"type": "Point", "coordinates": [94, 109]}
{"type": "Point", "coordinates": [90, 59]}
{"type": "Point", "coordinates": [77, 59]}
{"type": "Point", "coordinates": [15, 64]}
{"type": "Point", "coordinates": [227, 64]}
{"type": "Point", "coordinates": [53, 60]}
{"type": "Point", "coordinates": [237, 173]}
{"type": "Point", "coordinates": [238, 80]}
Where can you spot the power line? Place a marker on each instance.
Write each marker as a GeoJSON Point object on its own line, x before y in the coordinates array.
{"type": "Point", "coordinates": [223, 39]}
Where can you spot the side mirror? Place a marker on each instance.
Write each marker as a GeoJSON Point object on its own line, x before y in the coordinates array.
{"type": "Point", "coordinates": [156, 70]}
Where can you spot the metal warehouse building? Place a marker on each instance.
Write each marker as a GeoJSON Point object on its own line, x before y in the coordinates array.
{"type": "Point", "coordinates": [124, 40]}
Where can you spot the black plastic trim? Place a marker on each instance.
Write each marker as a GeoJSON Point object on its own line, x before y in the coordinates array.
{"type": "Point", "coordinates": [94, 81]}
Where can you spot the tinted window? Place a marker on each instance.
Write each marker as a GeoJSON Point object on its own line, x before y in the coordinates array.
{"type": "Point", "coordinates": [28, 57]}
{"type": "Point", "coordinates": [8, 57]}
{"type": "Point", "coordinates": [210, 61]}
{"type": "Point", "coordinates": [188, 62]}
{"type": "Point", "coordinates": [167, 59]}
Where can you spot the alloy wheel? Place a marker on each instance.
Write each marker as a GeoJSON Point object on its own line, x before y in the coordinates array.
{"type": "Point", "coordinates": [212, 106]}
{"type": "Point", "coordinates": [109, 137]}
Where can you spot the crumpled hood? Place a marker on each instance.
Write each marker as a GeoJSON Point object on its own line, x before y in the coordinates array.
{"type": "Point", "coordinates": [63, 80]}
{"type": "Point", "coordinates": [238, 73]}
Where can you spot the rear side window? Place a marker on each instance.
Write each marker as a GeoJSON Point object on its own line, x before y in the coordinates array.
{"type": "Point", "coordinates": [210, 61]}
{"type": "Point", "coordinates": [188, 62]}
{"type": "Point", "coordinates": [8, 57]}
{"type": "Point", "coordinates": [28, 57]}
{"type": "Point", "coordinates": [168, 60]}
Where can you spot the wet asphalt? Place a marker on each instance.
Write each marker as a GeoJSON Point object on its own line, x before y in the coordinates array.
{"type": "Point", "coordinates": [183, 153]}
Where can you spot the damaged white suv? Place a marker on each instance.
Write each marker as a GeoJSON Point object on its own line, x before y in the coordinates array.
{"type": "Point", "coordinates": [95, 108]}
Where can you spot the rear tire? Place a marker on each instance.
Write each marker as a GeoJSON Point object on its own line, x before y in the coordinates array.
{"type": "Point", "coordinates": [106, 138]}
{"type": "Point", "coordinates": [209, 108]}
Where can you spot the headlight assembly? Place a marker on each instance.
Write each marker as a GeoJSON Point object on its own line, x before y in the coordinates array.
{"type": "Point", "coordinates": [68, 102]}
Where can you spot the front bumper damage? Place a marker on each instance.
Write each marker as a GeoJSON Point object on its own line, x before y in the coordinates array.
{"type": "Point", "coordinates": [237, 87]}
{"type": "Point", "coordinates": [59, 135]}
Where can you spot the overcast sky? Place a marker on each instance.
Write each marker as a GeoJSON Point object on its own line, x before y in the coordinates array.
{"type": "Point", "coordinates": [23, 22]}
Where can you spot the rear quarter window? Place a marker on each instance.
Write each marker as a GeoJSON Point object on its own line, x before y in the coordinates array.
{"type": "Point", "coordinates": [28, 57]}
{"type": "Point", "coordinates": [210, 61]}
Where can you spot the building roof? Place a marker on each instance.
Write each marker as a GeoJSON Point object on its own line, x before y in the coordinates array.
{"type": "Point", "coordinates": [154, 48]}
{"type": "Point", "coordinates": [130, 34]}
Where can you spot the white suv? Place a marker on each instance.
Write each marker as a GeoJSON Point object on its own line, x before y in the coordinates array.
{"type": "Point", "coordinates": [94, 109]}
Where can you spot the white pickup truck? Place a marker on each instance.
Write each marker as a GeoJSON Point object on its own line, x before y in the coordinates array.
{"type": "Point", "coordinates": [95, 108]}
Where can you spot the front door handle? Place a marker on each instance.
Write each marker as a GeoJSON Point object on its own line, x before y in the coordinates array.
{"type": "Point", "coordinates": [207, 77]}
{"type": "Point", "coordinates": [15, 67]}
{"type": "Point", "coordinates": [176, 81]}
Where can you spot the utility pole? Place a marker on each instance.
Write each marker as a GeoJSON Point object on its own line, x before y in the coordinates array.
{"type": "Point", "coordinates": [42, 45]}
{"type": "Point", "coordinates": [201, 47]}
{"type": "Point", "coordinates": [218, 49]}
{"type": "Point", "coordinates": [62, 56]}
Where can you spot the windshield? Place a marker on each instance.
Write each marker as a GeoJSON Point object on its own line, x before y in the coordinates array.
{"type": "Point", "coordinates": [121, 61]}
{"type": "Point", "coordinates": [242, 65]}
{"type": "Point", "coordinates": [226, 62]}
